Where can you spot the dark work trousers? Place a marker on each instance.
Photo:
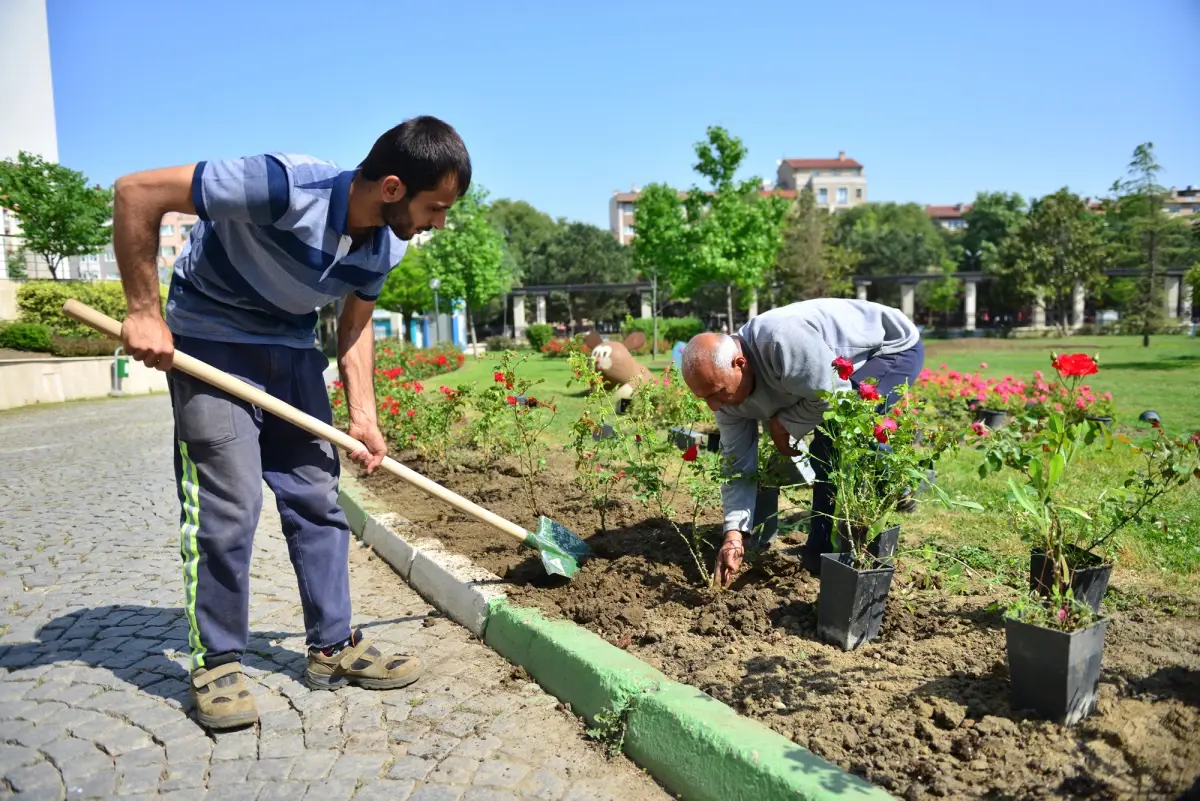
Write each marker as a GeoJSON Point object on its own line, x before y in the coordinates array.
{"type": "Point", "coordinates": [224, 449]}
{"type": "Point", "coordinates": [890, 372]}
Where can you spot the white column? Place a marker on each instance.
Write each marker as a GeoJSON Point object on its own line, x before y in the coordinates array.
{"type": "Point", "coordinates": [861, 289]}
{"type": "Point", "coordinates": [1171, 296]}
{"type": "Point", "coordinates": [541, 309]}
{"type": "Point", "coordinates": [1078, 303]}
{"type": "Point", "coordinates": [969, 304]}
{"type": "Point", "coordinates": [752, 312]}
{"type": "Point", "coordinates": [1039, 310]}
{"type": "Point", "coordinates": [646, 311]}
{"type": "Point", "coordinates": [397, 320]}
{"type": "Point", "coordinates": [518, 312]}
{"type": "Point", "coordinates": [908, 293]}
{"type": "Point", "coordinates": [1185, 301]}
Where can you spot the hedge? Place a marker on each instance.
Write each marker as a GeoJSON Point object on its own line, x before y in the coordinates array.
{"type": "Point", "coordinates": [25, 336]}
{"type": "Point", "coordinates": [42, 301]}
{"type": "Point", "coordinates": [672, 329]}
{"type": "Point", "coordinates": [539, 335]}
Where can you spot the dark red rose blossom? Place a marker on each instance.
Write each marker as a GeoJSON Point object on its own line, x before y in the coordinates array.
{"type": "Point", "coordinates": [868, 392]}
{"type": "Point", "coordinates": [691, 453]}
{"type": "Point", "coordinates": [844, 367]}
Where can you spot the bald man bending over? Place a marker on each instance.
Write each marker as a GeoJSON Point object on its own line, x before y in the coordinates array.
{"type": "Point", "coordinates": [771, 371]}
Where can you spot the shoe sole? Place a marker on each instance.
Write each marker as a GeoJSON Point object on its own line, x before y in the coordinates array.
{"type": "Point", "coordinates": [317, 681]}
{"type": "Point", "coordinates": [222, 722]}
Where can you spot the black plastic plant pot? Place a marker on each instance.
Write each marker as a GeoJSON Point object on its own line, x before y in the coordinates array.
{"type": "Point", "coordinates": [992, 418]}
{"type": "Point", "coordinates": [884, 546]}
{"type": "Point", "coordinates": [851, 601]}
{"type": "Point", "coordinates": [623, 405]}
{"type": "Point", "coordinates": [766, 515]}
{"type": "Point", "coordinates": [1054, 673]}
{"type": "Point", "coordinates": [1089, 581]}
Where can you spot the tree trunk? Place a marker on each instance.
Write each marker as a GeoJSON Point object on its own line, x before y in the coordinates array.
{"type": "Point", "coordinates": [729, 304]}
{"type": "Point", "coordinates": [570, 316]}
{"type": "Point", "coordinates": [52, 263]}
{"type": "Point", "coordinates": [471, 328]}
{"type": "Point", "coordinates": [1148, 312]}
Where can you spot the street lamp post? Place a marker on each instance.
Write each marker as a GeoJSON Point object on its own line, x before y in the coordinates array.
{"type": "Point", "coordinates": [437, 317]}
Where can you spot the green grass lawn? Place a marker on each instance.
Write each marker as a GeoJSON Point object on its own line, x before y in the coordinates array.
{"type": "Point", "coordinates": [1164, 377]}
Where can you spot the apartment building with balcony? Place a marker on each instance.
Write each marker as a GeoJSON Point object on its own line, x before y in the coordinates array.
{"type": "Point", "coordinates": [837, 184]}
{"type": "Point", "coordinates": [949, 216]}
{"type": "Point", "coordinates": [1182, 202]}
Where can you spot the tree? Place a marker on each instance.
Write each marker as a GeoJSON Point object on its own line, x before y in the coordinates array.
{"type": "Point", "coordinates": [584, 254]}
{"type": "Point", "coordinates": [467, 256]}
{"type": "Point", "coordinates": [1060, 244]}
{"type": "Point", "coordinates": [523, 227]}
{"type": "Point", "coordinates": [61, 216]}
{"type": "Point", "coordinates": [942, 295]}
{"type": "Point", "coordinates": [993, 219]}
{"type": "Point", "coordinates": [1139, 226]}
{"type": "Point", "coordinates": [808, 265]}
{"type": "Point", "coordinates": [891, 238]}
{"type": "Point", "coordinates": [735, 227]}
{"type": "Point", "coordinates": [406, 289]}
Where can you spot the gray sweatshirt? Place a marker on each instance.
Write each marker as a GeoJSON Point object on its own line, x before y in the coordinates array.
{"type": "Point", "coordinates": [792, 349]}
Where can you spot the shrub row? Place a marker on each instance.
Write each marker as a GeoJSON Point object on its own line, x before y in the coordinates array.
{"type": "Point", "coordinates": [41, 302]}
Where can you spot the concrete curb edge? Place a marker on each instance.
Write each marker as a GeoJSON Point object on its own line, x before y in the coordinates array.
{"type": "Point", "coordinates": [697, 746]}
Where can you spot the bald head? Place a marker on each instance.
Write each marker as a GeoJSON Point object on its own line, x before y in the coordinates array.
{"type": "Point", "coordinates": [715, 370]}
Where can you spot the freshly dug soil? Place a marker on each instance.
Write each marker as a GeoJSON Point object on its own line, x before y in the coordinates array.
{"type": "Point", "coordinates": [923, 711]}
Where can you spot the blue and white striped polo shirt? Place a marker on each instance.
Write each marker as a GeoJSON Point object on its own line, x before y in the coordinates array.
{"type": "Point", "coordinates": [270, 248]}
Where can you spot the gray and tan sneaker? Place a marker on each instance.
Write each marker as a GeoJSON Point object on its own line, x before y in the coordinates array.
{"type": "Point", "coordinates": [362, 665]}
{"type": "Point", "coordinates": [223, 699]}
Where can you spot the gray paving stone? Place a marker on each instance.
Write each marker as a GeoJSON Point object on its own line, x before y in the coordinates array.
{"type": "Point", "coordinates": [89, 779]}
{"type": "Point", "coordinates": [227, 774]}
{"type": "Point", "coordinates": [360, 766]}
{"type": "Point", "coordinates": [185, 794]}
{"type": "Point", "coordinates": [454, 770]}
{"type": "Point", "coordinates": [488, 794]}
{"type": "Point", "coordinates": [16, 756]}
{"type": "Point", "coordinates": [500, 773]}
{"type": "Point", "coordinates": [196, 748]}
{"type": "Point", "coordinates": [140, 779]}
{"type": "Point", "coordinates": [315, 764]}
{"type": "Point", "coordinates": [236, 745]}
{"type": "Point", "coordinates": [290, 745]}
{"type": "Point", "coordinates": [544, 785]}
{"type": "Point", "coordinates": [184, 775]}
{"type": "Point", "coordinates": [271, 770]}
{"type": "Point", "coordinates": [384, 790]}
{"type": "Point", "coordinates": [410, 767]}
{"type": "Point", "coordinates": [36, 780]}
{"type": "Point", "coordinates": [332, 790]}
{"type": "Point", "coordinates": [436, 792]}
{"type": "Point", "coordinates": [283, 791]}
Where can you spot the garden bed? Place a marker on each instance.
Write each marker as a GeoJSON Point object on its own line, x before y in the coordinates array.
{"type": "Point", "coordinates": [922, 711]}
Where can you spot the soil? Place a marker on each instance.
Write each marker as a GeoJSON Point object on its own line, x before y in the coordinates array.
{"type": "Point", "coordinates": [922, 712]}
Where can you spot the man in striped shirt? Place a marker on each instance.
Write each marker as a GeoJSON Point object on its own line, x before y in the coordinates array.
{"type": "Point", "coordinates": [279, 236]}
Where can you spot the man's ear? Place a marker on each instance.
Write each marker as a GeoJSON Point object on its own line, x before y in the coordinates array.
{"type": "Point", "coordinates": [392, 189]}
{"type": "Point", "coordinates": [593, 339]}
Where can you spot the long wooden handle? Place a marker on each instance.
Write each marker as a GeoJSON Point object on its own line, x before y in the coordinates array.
{"type": "Point", "coordinates": [240, 389]}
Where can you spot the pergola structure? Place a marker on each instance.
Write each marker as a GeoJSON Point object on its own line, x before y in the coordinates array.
{"type": "Point", "coordinates": [1177, 300]}
{"type": "Point", "coordinates": [540, 293]}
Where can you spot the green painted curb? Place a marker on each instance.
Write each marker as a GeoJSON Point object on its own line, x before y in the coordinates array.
{"type": "Point", "coordinates": [695, 745]}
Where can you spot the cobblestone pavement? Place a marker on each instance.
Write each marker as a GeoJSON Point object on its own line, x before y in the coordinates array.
{"type": "Point", "coordinates": [93, 694]}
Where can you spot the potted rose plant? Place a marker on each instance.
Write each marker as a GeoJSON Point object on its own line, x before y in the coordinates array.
{"type": "Point", "coordinates": [1055, 637]}
{"type": "Point", "coordinates": [874, 463]}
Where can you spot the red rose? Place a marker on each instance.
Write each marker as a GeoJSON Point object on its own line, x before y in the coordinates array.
{"type": "Point", "coordinates": [844, 367]}
{"type": "Point", "coordinates": [498, 376]}
{"type": "Point", "coordinates": [1074, 365]}
{"type": "Point", "coordinates": [1196, 438]}
{"type": "Point", "coordinates": [418, 387]}
{"type": "Point", "coordinates": [512, 401]}
{"type": "Point", "coordinates": [691, 453]}
{"type": "Point", "coordinates": [868, 392]}
{"type": "Point", "coordinates": [442, 360]}
{"type": "Point", "coordinates": [411, 412]}
{"type": "Point", "coordinates": [885, 426]}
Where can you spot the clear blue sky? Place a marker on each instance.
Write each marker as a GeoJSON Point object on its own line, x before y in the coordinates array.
{"type": "Point", "coordinates": [562, 102]}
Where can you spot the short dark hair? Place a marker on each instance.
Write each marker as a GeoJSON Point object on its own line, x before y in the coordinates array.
{"type": "Point", "coordinates": [421, 152]}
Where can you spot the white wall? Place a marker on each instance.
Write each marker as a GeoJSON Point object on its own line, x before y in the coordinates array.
{"type": "Point", "coordinates": [32, 381]}
{"type": "Point", "coordinates": [26, 85]}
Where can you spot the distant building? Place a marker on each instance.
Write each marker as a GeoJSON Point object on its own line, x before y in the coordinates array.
{"type": "Point", "coordinates": [949, 216]}
{"type": "Point", "coordinates": [1182, 202]}
{"type": "Point", "coordinates": [838, 184]}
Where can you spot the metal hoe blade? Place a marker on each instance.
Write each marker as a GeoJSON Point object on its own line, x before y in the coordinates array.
{"type": "Point", "coordinates": [561, 550]}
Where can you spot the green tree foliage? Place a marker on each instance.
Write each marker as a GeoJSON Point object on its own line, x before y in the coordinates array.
{"type": "Point", "coordinates": [728, 232]}
{"type": "Point", "coordinates": [993, 219]}
{"type": "Point", "coordinates": [1060, 244]}
{"type": "Point", "coordinates": [61, 216]}
{"type": "Point", "coordinates": [524, 229]}
{"type": "Point", "coordinates": [579, 253]}
{"type": "Point", "coordinates": [406, 289]}
{"type": "Point", "coordinates": [942, 296]}
{"type": "Point", "coordinates": [467, 256]}
{"type": "Point", "coordinates": [891, 238]}
{"type": "Point", "coordinates": [808, 264]}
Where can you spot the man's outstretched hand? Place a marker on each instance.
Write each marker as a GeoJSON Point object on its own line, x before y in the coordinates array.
{"type": "Point", "coordinates": [376, 446]}
{"type": "Point", "coordinates": [729, 559]}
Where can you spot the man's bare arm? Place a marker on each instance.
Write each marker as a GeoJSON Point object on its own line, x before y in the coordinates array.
{"type": "Point", "coordinates": [356, 363]}
{"type": "Point", "coordinates": [139, 202]}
